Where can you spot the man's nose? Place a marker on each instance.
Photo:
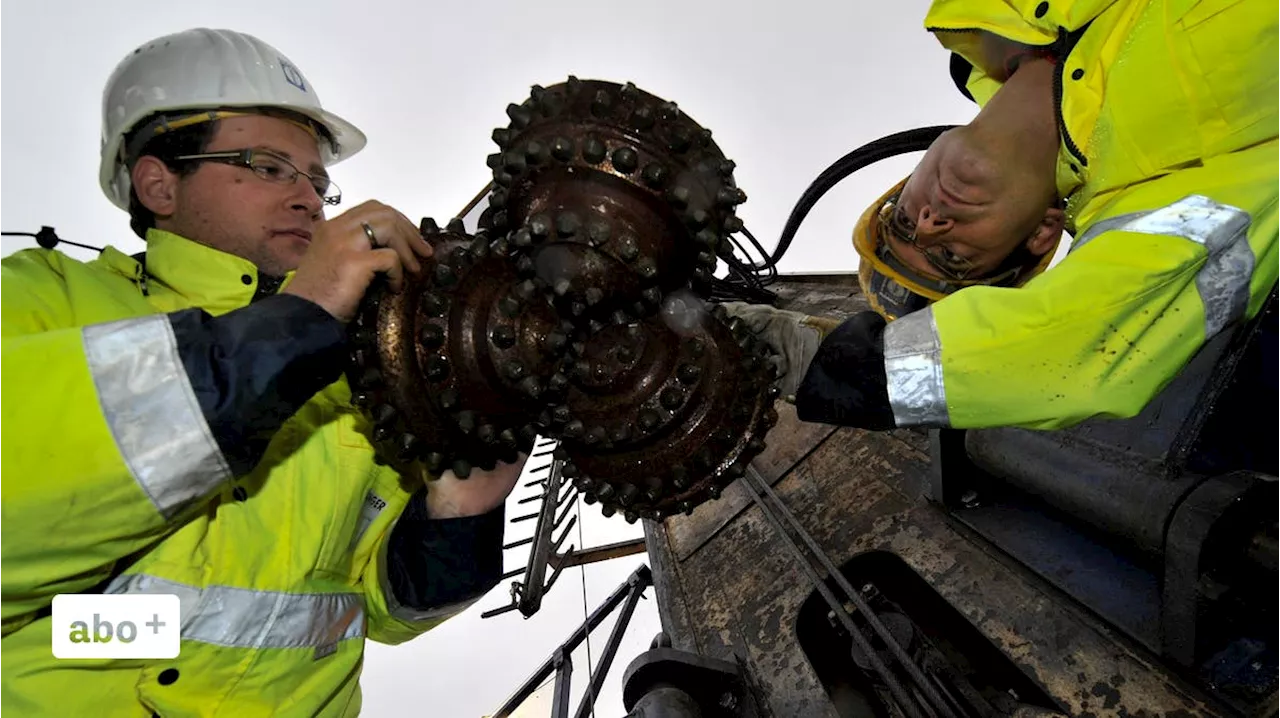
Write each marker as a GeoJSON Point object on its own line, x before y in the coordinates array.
{"type": "Point", "coordinates": [306, 197]}
{"type": "Point", "coordinates": [930, 225]}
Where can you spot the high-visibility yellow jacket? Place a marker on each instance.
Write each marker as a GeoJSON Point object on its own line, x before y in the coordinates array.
{"type": "Point", "coordinates": [166, 434]}
{"type": "Point", "coordinates": [1168, 159]}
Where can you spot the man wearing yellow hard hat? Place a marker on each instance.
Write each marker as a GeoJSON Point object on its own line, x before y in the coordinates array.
{"type": "Point", "coordinates": [1147, 129]}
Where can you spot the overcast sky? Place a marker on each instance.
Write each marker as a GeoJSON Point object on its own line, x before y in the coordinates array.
{"type": "Point", "coordinates": [786, 88]}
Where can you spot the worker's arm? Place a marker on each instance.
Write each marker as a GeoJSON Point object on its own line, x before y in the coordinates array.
{"type": "Point", "coordinates": [439, 555]}
{"type": "Point", "coordinates": [117, 431]}
{"type": "Point", "coordinates": [1170, 265]}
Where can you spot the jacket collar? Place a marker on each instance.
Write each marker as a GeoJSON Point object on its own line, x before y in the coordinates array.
{"type": "Point", "coordinates": [181, 272]}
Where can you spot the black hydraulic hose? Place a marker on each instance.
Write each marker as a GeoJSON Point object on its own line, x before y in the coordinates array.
{"type": "Point", "coordinates": [889, 146]}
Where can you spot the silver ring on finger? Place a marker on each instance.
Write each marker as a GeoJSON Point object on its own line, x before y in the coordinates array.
{"type": "Point", "coordinates": [373, 237]}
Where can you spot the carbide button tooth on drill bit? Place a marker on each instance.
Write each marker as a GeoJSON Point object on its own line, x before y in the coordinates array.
{"type": "Point", "coordinates": [434, 462]}
{"type": "Point", "coordinates": [514, 163]}
{"type": "Point", "coordinates": [409, 446]}
{"type": "Point", "coordinates": [671, 398]}
{"type": "Point", "coordinates": [600, 372]}
{"type": "Point", "coordinates": [522, 238]}
{"type": "Point", "coordinates": [704, 136]}
{"type": "Point", "coordinates": [679, 477]}
{"type": "Point", "coordinates": [455, 225]}
{"type": "Point", "coordinates": [567, 224]}
{"type": "Point", "coordinates": [558, 383]}
{"type": "Point", "coordinates": [649, 419]}
{"type": "Point", "coordinates": [698, 218]}
{"type": "Point", "coordinates": [530, 386]}
{"type": "Point", "coordinates": [680, 140]}
{"type": "Point", "coordinates": [487, 433]}
{"type": "Point", "coordinates": [679, 196]}
{"type": "Point", "coordinates": [384, 414]}
{"type": "Point", "coordinates": [437, 368]}
{"type": "Point", "coordinates": [630, 516]}
{"type": "Point", "coordinates": [509, 306]}
{"type": "Point", "coordinates": [654, 175]}
{"type": "Point", "coordinates": [707, 238]}
{"type": "Point", "coordinates": [561, 414]}
{"type": "Point", "coordinates": [520, 116]}
{"type": "Point", "coordinates": [595, 436]}
{"type": "Point", "coordinates": [539, 227]}
{"type": "Point", "coordinates": [561, 287]}
{"type": "Point", "coordinates": [535, 153]}
{"type": "Point", "coordinates": [652, 295]}
{"type": "Point", "coordinates": [562, 149]}
{"type": "Point", "coordinates": [593, 296]}
{"type": "Point", "coordinates": [735, 470]}
{"type": "Point", "coordinates": [702, 274]}
{"type": "Point", "coordinates": [706, 259]}
{"type": "Point", "coordinates": [449, 399]}
{"type": "Point", "coordinates": [461, 468]}
{"type": "Point", "coordinates": [608, 511]}
{"type": "Point", "coordinates": [362, 399]}
{"type": "Point", "coordinates": [560, 453]}
{"type": "Point", "coordinates": [503, 336]}
{"type": "Point", "coordinates": [584, 483]}
{"type": "Point", "coordinates": [466, 421]}
{"type": "Point", "coordinates": [500, 247]}
{"type": "Point", "coordinates": [642, 118]}
{"type": "Point", "coordinates": [460, 258]}
{"type": "Point", "coordinates": [507, 438]}
{"type": "Point", "coordinates": [594, 151]}
{"type": "Point", "coordinates": [500, 217]}
{"type": "Point", "coordinates": [577, 309]}
{"type": "Point", "coordinates": [555, 343]}
{"type": "Point", "coordinates": [653, 495]}
{"type": "Point", "coordinates": [668, 110]}
{"type": "Point", "coordinates": [620, 318]}
{"type": "Point", "coordinates": [601, 103]}
{"type": "Point", "coordinates": [428, 226]}
{"type": "Point", "coordinates": [714, 492]}
{"type": "Point", "coordinates": [431, 336]}
{"type": "Point", "coordinates": [625, 160]}
{"type": "Point", "coordinates": [606, 490]}
{"type": "Point", "coordinates": [494, 161]}
{"type": "Point", "coordinates": [688, 373]}
{"type": "Point", "coordinates": [445, 276]}
{"type": "Point", "coordinates": [686, 506]}
{"type": "Point", "coordinates": [515, 370]}
{"type": "Point", "coordinates": [579, 348]}
{"type": "Point", "coordinates": [620, 433]}
{"type": "Point", "coordinates": [597, 233]}
{"type": "Point", "coordinates": [528, 433]}
{"type": "Point", "coordinates": [504, 179]}
{"type": "Point", "coordinates": [573, 429]}
{"type": "Point", "coordinates": [755, 446]}
{"type": "Point", "coordinates": [381, 433]}
{"type": "Point", "coordinates": [733, 224]}
{"type": "Point", "coordinates": [727, 167]}
{"type": "Point", "coordinates": [628, 248]}
{"type": "Point", "coordinates": [726, 197]}
{"type": "Point", "coordinates": [589, 498]}
{"type": "Point", "coordinates": [646, 268]}
{"type": "Point", "coordinates": [526, 290]}
{"type": "Point", "coordinates": [501, 137]}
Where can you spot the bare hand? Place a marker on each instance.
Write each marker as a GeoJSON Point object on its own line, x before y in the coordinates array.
{"type": "Point", "coordinates": [449, 497]}
{"type": "Point", "coordinates": [342, 262]}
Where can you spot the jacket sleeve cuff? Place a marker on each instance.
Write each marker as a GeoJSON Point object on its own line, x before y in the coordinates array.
{"type": "Point", "coordinates": [439, 566]}
{"type": "Point", "coordinates": [845, 384]}
{"type": "Point", "coordinates": [253, 368]}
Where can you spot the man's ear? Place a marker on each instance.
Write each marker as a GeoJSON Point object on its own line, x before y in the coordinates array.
{"type": "Point", "coordinates": [1047, 233]}
{"type": "Point", "coordinates": [156, 185]}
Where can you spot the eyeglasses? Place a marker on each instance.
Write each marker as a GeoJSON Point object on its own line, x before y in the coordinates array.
{"type": "Point", "coordinates": [272, 168]}
{"type": "Point", "coordinates": [895, 222]}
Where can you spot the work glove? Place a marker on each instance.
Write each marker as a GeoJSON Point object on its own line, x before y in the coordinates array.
{"type": "Point", "coordinates": [793, 335]}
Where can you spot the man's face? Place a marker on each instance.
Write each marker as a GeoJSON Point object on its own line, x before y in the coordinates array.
{"type": "Point", "coordinates": [232, 209]}
{"type": "Point", "coordinates": [969, 208]}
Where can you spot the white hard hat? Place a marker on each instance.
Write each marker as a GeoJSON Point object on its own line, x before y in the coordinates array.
{"type": "Point", "coordinates": [203, 69]}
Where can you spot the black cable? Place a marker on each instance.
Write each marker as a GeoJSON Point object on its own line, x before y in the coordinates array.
{"type": "Point", "coordinates": [747, 279]}
{"type": "Point", "coordinates": [49, 239]}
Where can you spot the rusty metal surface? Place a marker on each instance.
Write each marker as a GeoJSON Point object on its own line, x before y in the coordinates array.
{"type": "Point", "coordinates": [728, 589]}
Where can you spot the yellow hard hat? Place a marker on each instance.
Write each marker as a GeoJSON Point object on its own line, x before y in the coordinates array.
{"type": "Point", "coordinates": [894, 288]}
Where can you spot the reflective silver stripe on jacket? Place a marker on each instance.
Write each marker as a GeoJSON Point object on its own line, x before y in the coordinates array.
{"type": "Point", "coordinates": [152, 411]}
{"type": "Point", "coordinates": [1223, 230]}
{"type": "Point", "coordinates": [244, 618]}
{"type": "Point", "coordinates": [913, 369]}
{"type": "Point", "coordinates": [405, 613]}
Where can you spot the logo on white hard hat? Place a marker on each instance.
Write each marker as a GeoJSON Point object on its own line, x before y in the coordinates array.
{"type": "Point", "coordinates": [291, 75]}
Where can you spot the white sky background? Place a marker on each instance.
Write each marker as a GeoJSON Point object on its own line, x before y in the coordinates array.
{"type": "Point", "coordinates": [786, 87]}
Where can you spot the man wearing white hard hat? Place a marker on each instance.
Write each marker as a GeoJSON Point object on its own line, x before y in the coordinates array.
{"type": "Point", "coordinates": [178, 422]}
